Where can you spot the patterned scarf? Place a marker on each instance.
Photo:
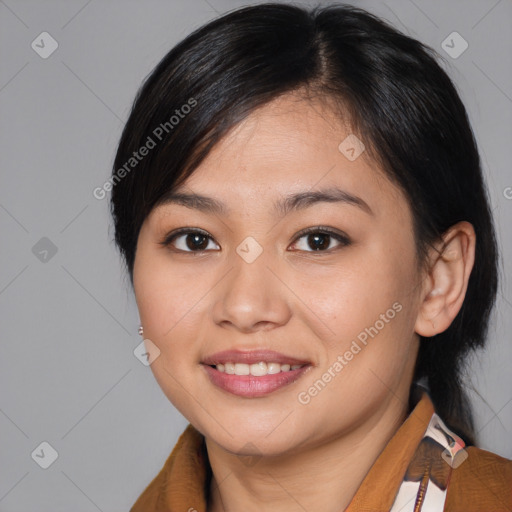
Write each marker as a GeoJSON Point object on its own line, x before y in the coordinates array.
{"type": "Point", "coordinates": [426, 480]}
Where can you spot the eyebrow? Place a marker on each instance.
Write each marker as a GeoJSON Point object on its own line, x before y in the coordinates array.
{"type": "Point", "coordinates": [281, 207]}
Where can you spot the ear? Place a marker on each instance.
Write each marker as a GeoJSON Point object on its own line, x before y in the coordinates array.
{"type": "Point", "coordinates": [445, 285]}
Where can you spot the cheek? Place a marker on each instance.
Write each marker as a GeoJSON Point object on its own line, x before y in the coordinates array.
{"type": "Point", "coordinates": [353, 294]}
{"type": "Point", "coordinates": [167, 294]}
{"type": "Point", "coordinates": [370, 308]}
{"type": "Point", "coordinates": [169, 304]}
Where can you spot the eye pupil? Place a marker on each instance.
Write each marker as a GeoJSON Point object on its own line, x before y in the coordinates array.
{"type": "Point", "coordinates": [322, 238]}
{"type": "Point", "coordinates": [194, 246]}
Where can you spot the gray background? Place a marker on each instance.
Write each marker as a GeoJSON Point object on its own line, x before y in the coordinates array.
{"type": "Point", "coordinates": [69, 321]}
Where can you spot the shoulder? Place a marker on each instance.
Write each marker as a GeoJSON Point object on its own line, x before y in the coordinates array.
{"type": "Point", "coordinates": [482, 481]}
{"type": "Point", "coordinates": [184, 468]}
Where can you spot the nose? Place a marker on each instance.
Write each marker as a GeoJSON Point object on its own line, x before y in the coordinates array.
{"type": "Point", "coordinates": [250, 297]}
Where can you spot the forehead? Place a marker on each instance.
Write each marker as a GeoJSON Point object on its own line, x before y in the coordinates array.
{"type": "Point", "coordinates": [289, 145]}
{"type": "Point", "coordinates": [288, 131]}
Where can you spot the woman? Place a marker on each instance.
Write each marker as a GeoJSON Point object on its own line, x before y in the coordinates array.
{"type": "Point", "coordinates": [299, 201]}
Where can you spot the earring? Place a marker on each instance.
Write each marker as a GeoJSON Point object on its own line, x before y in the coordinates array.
{"type": "Point", "coordinates": [141, 330]}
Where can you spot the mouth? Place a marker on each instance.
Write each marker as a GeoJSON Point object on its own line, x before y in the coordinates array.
{"type": "Point", "coordinates": [255, 373]}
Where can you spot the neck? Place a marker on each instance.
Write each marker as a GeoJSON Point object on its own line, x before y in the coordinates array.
{"type": "Point", "coordinates": [334, 470]}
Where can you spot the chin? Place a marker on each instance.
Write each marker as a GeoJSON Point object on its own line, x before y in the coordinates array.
{"type": "Point", "coordinates": [249, 446]}
{"type": "Point", "coordinates": [249, 439]}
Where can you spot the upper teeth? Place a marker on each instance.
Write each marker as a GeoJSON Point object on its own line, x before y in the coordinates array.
{"type": "Point", "coordinates": [256, 369]}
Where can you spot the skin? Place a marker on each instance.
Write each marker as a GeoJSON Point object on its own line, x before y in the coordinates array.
{"type": "Point", "coordinates": [295, 300]}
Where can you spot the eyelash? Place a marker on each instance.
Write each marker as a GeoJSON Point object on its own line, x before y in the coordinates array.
{"type": "Point", "coordinates": [324, 230]}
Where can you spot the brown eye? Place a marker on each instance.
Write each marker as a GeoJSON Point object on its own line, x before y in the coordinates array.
{"type": "Point", "coordinates": [320, 240]}
{"type": "Point", "coordinates": [187, 240]}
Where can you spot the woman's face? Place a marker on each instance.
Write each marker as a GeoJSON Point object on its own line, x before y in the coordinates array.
{"type": "Point", "coordinates": [345, 307]}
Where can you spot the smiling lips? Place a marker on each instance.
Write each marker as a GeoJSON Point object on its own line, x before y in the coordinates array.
{"type": "Point", "coordinates": [253, 374]}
